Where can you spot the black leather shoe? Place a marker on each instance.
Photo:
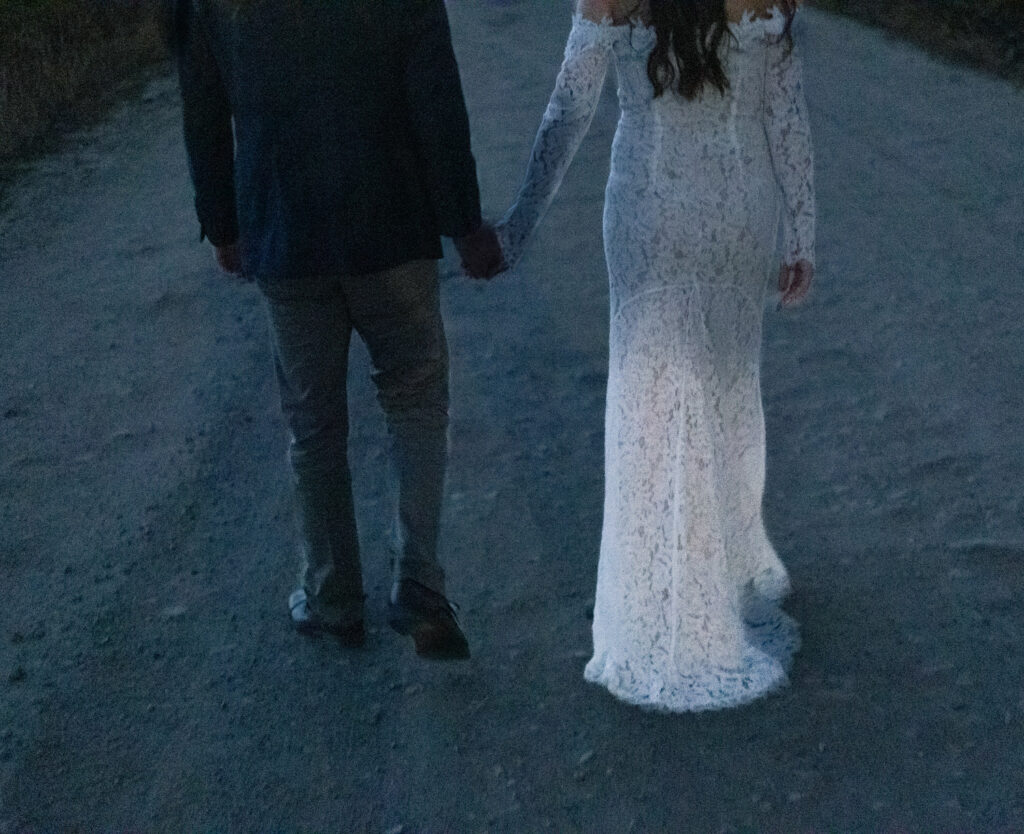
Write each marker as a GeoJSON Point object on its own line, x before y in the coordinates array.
{"type": "Point", "coordinates": [429, 618]}
{"type": "Point", "coordinates": [308, 623]}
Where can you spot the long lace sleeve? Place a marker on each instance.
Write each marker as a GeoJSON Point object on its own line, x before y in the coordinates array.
{"type": "Point", "coordinates": [789, 137]}
{"type": "Point", "coordinates": [565, 123]}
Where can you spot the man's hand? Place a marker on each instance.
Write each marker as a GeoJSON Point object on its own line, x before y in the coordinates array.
{"type": "Point", "coordinates": [481, 253]}
{"type": "Point", "coordinates": [795, 282]}
{"type": "Point", "coordinates": [229, 259]}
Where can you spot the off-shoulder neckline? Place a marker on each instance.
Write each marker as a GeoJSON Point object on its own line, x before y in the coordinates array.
{"type": "Point", "coordinates": [746, 19]}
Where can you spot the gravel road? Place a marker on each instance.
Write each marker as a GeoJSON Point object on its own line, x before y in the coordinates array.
{"type": "Point", "coordinates": [149, 680]}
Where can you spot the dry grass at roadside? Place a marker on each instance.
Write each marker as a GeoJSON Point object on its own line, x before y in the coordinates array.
{"type": "Point", "coordinates": [987, 34]}
{"type": "Point", "coordinates": [61, 60]}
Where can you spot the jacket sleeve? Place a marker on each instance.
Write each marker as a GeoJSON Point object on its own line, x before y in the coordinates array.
{"type": "Point", "coordinates": [209, 138]}
{"type": "Point", "coordinates": [789, 138]}
{"type": "Point", "coordinates": [437, 110]}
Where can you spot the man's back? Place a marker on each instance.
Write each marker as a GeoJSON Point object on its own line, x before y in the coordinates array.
{"type": "Point", "coordinates": [352, 143]}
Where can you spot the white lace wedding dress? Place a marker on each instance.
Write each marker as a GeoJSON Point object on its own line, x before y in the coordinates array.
{"type": "Point", "coordinates": [686, 613]}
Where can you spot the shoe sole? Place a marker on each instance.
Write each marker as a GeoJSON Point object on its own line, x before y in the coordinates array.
{"type": "Point", "coordinates": [422, 636]}
{"type": "Point", "coordinates": [349, 639]}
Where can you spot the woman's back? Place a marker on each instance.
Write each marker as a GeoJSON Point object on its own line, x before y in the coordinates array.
{"type": "Point", "coordinates": [688, 164]}
{"type": "Point", "coordinates": [697, 173]}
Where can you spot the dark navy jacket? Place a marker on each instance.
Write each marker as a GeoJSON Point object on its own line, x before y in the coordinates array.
{"type": "Point", "coordinates": [350, 151]}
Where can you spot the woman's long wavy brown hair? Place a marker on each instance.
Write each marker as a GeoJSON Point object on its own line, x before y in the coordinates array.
{"type": "Point", "coordinates": [690, 35]}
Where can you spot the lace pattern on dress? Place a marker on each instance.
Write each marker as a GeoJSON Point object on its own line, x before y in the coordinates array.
{"type": "Point", "coordinates": [686, 613]}
{"type": "Point", "coordinates": [566, 121]}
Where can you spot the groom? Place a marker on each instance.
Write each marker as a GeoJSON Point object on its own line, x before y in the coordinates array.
{"type": "Point", "coordinates": [329, 148]}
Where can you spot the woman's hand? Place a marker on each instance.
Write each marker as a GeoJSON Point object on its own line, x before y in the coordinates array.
{"type": "Point", "coordinates": [795, 282]}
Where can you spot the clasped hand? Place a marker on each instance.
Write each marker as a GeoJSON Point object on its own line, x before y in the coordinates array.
{"type": "Point", "coordinates": [795, 282]}
{"type": "Point", "coordinates": [481, 253]}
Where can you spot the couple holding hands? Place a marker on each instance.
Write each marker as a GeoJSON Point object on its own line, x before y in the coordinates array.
{"type": "Point", "coordinates": [329, 148]}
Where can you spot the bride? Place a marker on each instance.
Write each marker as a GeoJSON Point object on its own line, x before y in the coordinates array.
{"type": "Point", "coordinates": [712, 151]}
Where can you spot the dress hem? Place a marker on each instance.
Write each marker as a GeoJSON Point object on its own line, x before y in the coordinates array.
{"type": "Point", "coordinates": [732, 694]}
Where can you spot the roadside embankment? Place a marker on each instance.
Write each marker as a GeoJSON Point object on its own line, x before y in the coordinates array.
{"type": "Point", "coordinates": [62, 60]}
{"type": "Point", "coordinates": [986, 34]}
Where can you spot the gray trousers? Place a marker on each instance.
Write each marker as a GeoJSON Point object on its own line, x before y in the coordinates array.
{"type": "Point", "coordinates": [397, 314]}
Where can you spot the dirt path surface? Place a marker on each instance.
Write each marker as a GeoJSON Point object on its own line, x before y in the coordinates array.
{"type": "Point", "coordinates": [149, 680]}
